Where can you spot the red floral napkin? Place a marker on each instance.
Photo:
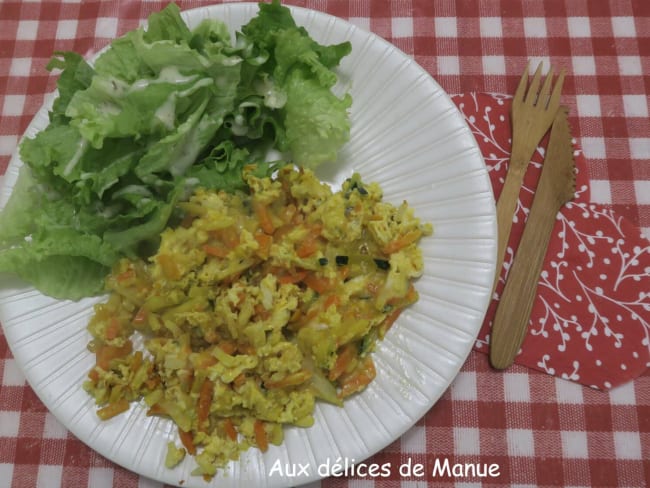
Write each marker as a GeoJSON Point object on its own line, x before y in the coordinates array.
{"type": "Point", "coordinates": [590, 322]}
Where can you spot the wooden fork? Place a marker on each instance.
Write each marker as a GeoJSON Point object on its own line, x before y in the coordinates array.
{"type": "Point", "coordinates": [532, 114]}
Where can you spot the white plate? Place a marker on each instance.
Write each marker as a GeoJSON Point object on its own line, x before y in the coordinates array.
{"type": "Point", "coordinates": [407, 135]}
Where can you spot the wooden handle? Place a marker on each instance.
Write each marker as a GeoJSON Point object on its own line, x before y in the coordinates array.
{"type": "Point", "coordinates": [513, 313]}
{"type": "Point", "coordinates": [506, 206]}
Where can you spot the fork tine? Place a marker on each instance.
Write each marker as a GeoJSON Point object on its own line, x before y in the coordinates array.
{"type": "Point", "coordinates": [531, 96]}
{"type": "Point", "coordinates": [554, 101]}
{"type": "Point", "coordinates": [521, 87]}
{"type": "Point", "coordinates": [543, 98]}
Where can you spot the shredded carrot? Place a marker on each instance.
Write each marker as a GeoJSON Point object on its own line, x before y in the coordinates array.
{"type": "Point", "coordinates": [296, 315]}
{"type": "Point", "coordinates": [358, 379]}
{"type": "Point", "coordinates": [187, 441]}
{"type": "Point", "coordinates": [262, 312]}
{"type": "Point", "coordinates": [246, 349]}
{"type": "Point", "coordinates": [137, 361]}
{"type": "Point", "coordinates": [331, 300]}
{"type": "Point", "coordinates": [113, 409]}
{"type": "Point", "coordinates": [156, 409]}
{"type": "Point", "coordinates": [228, 347]}
{"type": "Point", "coordinates": [229, 236]}
{"type": "Point", "coordinates": [411, 295]}
{"type": "Point", "coordinates": [263, 216]}
{"type": "Point", "coordinates": [206, 360]}
{"type": "Point", "coordinates": [402, 241]}
{"type": "Point", "coordinates": [113, 329]}
{"type": "Point", "coordinates": [347, 353]}
{"type": "Point", "coordinates": [140, 317]}
{"type": "Point", "coordinates": [239, 380]}
{"type": "Point", "coordinates": [205, 400]}
{"type": "Point", "coordinates": [216, 251]}
{"type": "Point", "coordinates": [282, 231]}
{"type": "Point", "coordinates": [309, 245]}
{"type": "Point", "coordinates": [292, 277]}
{"type": "Point", "coordinates": [388, 322]}
{"type": "Point", "coordinates": [318, 284]}
{"type": "Point", "coordinates": [264, 241]}
{"type": "Point", "coordinates": [93, 374]}
{"type": "Point", "coordinates": [229, 427]}
{"type": "Point", "coordinates": [152, 382]}
{"type": "Point", "coordinates": [261, 438]}
{"type": "Point", "coordinates": [105, 354]}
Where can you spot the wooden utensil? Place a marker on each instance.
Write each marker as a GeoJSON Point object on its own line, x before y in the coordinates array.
{"type": "Point", "coordinates": [532, 116]}
{"type": "Point", "coordinates": [556, 187]}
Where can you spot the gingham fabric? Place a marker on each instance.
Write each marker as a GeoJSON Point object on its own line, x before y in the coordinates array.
{"type": "Point", "coordinates": [537, 429]}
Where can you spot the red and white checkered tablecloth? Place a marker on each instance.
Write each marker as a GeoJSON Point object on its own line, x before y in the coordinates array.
{"type": "Point", "coordinates": [539, 430]}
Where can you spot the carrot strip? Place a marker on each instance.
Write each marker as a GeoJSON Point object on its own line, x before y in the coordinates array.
{"type": "Point", "coordinates": [137, 361]}
{"type": "Point", "coordinates": [264, 241]}
{"type": "Point", "coordinates": [263, 216]}
{"type": "Point", "coordinates": [216, 251]}
{"type": "Point", "coordinates": [105, 354]}
{"type": "Point", "coordinates": [152, 382]}
{"type": "Point", "coordinates": [262, 312]}
{"type": "Point", "coordinates": [93, 374]}
{"type": "Point", "coordinates": [247, 349]}
{"type": "Point", "coordinates": [292, 277]}
{"type": "Point", "coordinates": [388, 322]}
{"type": "Point", "coordinates": [332, 300]}
{"type": "Point", "coordinates": [205, 400]}
{"type": "Point", "coordinates": [113, 329]}
{"type": "Point", "coordinates": [229, 427]}
{"type": "Point", "coordinates": [359, 379]}
{"type": "Point", "coordinates": [228, 347]}
{"type": "Point", "coordinates": [343, 360]}
{"type": "Point", "coordinates": [402, 241]}
{"type": "Point", "coordinates": [113, 409]}
{"type": "Point", "coordinates": [140, 317]}
{"type": "Point", "coordinates": [319, 285]}
{"type": "Point", "coordinates": [188, 441]}
{"type": "Point", "coordinates": [239, 380]}
{"type": "Point", "coordinates": [156, 409]}
{"type": "Point", "coordinates": [229, 236]}
{"type": "Point", "coordinates": [261, 438]}
{"type": "Point", "coordinates": [309, 245]}
{"type": "Point", "coordinates": [206, 360]}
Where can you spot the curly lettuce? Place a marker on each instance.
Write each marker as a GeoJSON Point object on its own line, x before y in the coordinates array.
{"type": "Point", "coordinates": [163, 110]}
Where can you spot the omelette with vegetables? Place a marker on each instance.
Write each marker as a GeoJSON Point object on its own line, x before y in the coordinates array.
{"type": "Point", "coordinates": [255, 306]}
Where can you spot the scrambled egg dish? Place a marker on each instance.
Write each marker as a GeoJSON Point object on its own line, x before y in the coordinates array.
{"type": "Point", "coordinates": [253, 308]}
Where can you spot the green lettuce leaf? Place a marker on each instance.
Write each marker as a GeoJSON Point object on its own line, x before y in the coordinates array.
{"type": "Point", "coordinates": [316, 121]}
{"type": "Point", "coordinates": [61, 263]}
{"type": "Point", "coordinates": [77, 75]}
{"type": "Point", "coordinates": [160, 112]}
{"type": "Point", "coordinates": [222, 169]}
